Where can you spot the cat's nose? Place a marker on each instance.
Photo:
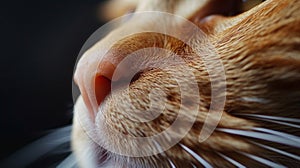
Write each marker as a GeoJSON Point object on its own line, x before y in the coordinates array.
{"type": "Point", "coordinates": [94, 81]}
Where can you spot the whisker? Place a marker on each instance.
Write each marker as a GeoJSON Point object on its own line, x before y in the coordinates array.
{"type": "Point", "coordinates": [63, 149]}
{"type": "Point", "coordinates": [40, 147]}
{"type": "Point", "coordinates": [259, 135]}
{"type": "Point", "coordinates": [268, 119]}
{"type": "Point", "coordinates": [68, 162]}
{"type": "Point", "coordinates": [282, 123]}
{"type": "Point", "coordinates": [255, 100]}
{"type": "Point", "coordinates": [196, 156]}
{"type": "Point", "coordinates": [171, 163]}
{"type": "Point", "coordinates": [193, 165]}
{"type": "Point", "coordinates": [263, 161]}
{"type": "Point", "coordinates": [277, 151]}
{"type": "Point", "coordinates": [282, 134]}
{"type": "Point", "coordinates": [295, 120]}
{"type": "Point", "coordinates": [237, 164]}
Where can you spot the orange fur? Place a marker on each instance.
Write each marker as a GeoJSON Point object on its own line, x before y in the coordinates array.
{"type": "Point", "coordinates": [260, 51]}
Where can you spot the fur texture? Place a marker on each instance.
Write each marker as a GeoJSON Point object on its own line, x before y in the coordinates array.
{"type": "Point", "coordinates": [260, 124]}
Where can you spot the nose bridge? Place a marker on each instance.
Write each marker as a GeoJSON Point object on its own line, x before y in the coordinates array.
{"type": "Point", "coordinates": [95, 69]}
{"type": "Point", "coordinates": [84, 77]}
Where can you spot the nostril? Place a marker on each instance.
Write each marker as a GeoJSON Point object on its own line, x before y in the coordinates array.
{"type": "Point", "coordinates": [102, 88]}
{"type": "Point", "coordinates": [94, 82]}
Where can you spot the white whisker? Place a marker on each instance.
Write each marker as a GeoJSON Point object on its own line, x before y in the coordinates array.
{"type": "Point", "coordinates": [282, 123]}
{"type": "Point", "coordinates": [263, 161]}
{"type": "Point", "coordinates": [282, 134]}
{"type": "Point", "coordinates": [193, 165]}
{"type": "Point", "coordinates": [255, 100]}
{"type": "Point", "coordinates": [64, 149]}
{"type": "Point", "coordinates": [271, 119]}
{"type": "Point", "coordinates": [278, 151]}
{"type": "Point", "coordinates": [171, 163]}
{"type": "Point", "coordinates": [237, 164]}
{"type": "Point", "coordinates": [196, 156]}
{"type": "Point", "coordinates": [295, 120]}
{"type": "Point", "coordinates": [35, 150]}
{"type": "Point", "coordinates": [263, 136]}
{"type": "Point", "coordinates": [69, 162]}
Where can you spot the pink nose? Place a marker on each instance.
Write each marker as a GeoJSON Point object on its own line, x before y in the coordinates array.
{"type": "Point", "coordinates": [94, 81]}
{"type": "Point", "coordinates": [95, 69]}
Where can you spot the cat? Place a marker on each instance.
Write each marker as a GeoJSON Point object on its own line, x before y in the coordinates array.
{"type": "Point", "coordinates": [167, 77]}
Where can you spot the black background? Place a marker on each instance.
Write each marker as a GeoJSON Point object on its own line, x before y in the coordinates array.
{"type": "Point", "coordinates": [40, 41]}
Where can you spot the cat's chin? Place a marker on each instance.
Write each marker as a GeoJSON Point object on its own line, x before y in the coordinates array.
{"type": "Point", "coordinates": [87, 151]}
{"type": "Point", "coordinates": [89, 142]}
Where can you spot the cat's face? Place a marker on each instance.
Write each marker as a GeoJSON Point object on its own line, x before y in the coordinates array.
{"type": "Point", "coordinates": [149, 97]}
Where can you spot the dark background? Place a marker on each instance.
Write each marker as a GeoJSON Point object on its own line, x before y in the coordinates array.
{"type": "Point", "coordinates": [40, 41]}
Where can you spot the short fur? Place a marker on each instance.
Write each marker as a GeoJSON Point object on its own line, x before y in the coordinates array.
{"type": "Point", "coordinates": [260, 51]}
